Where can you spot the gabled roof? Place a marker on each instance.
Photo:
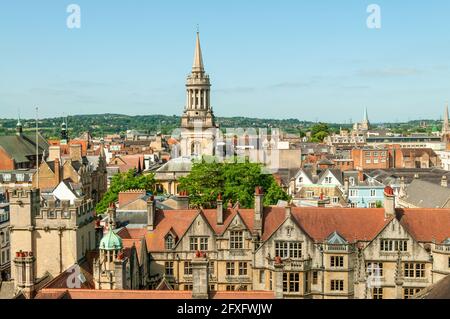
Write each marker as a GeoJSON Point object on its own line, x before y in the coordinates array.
{"type": "Point", "coordinates": [353, 224]}
{"type": "Point", "coordinates": [332, 225]}
{"type": "Point", "coordinates": [336, 239]}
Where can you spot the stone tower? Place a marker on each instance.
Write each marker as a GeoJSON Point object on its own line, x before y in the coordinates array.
{"type": "Point", "coordinates": [198, 129]}
{"type": "Point", "coordinates": [111, 269]}
{"type": "Point", "coordinates": [47, 236]}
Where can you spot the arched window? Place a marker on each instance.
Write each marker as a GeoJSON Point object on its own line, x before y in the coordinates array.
{"type": "Point", "coordinates": [169, 242]}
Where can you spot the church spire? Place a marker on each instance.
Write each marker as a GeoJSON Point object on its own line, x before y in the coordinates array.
{"type": "Point", "coordinates": [366, 116]}
{"type": "Point", "coordinates": [198, 59]}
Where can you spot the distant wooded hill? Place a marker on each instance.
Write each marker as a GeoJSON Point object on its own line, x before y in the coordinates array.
{"type": "Point", "coordinates": [102, 124]}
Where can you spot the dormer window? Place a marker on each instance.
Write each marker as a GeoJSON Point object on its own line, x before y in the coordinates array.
{"type": "Point", "coordinates": [170, 242]}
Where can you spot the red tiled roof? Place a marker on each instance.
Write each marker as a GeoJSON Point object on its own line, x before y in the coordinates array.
{"type": "Point", "coordinates": [352, 223]}
{"type": "Point", "coordinates": [229, 214]}
{"type": "Point", "coordinates": [179, 220]}
{"type": "Point", "coordinates": [128, 245]}
{"type": "Point", "coordinates": [426, 224]}
{"type": "Point", "coordinates": [132, 233]}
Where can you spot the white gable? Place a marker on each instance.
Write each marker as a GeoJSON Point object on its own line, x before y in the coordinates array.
{"type": "Point", "coordinates": [302, 179]}
{"type": "Point", "coordinates": [63, 192]}
{"type": "Point", "coordinates": [329, 179]}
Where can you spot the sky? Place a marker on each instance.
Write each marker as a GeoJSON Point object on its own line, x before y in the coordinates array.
{"type": "Point", "coordinates": [310, 60]}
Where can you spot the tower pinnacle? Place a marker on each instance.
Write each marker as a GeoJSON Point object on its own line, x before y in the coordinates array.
{"type": "Point", "coordinates": [198, 58]}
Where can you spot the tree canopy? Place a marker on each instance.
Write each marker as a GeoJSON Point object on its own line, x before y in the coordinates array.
{"type": "Point", "coordinates": [319, 132]}
{"type": "Point", "coordinates": [123, 182]}
{"type": "Point", "coordinates": [235, 181]}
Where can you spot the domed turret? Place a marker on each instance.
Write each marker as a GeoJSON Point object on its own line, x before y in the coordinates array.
{"type": "Point", "coordinates": [111, 241]}
{"type": "Point", "coordinates": [19, 127]}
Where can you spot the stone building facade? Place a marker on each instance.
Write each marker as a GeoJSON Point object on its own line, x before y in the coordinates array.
{"type": "Point", "coordinates": [47, 236]}
{"type": "Point", "coordinates": [318, 253]}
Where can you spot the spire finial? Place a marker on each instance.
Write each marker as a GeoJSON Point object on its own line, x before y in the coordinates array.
{"type": "Point", "coordinates": [198, 59]}
{"type": "Point", "coordinates": [198, 28]}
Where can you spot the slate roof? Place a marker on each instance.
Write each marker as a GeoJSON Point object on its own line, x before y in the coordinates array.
{"type": "Point", "coordinates": [428, 195]}
{"type": "Point", "coordinates": [180, 164]}
{"type": "Point", "coordinates": [20, 148]}
{"type": "Point", "coordinates": [440, 290]}
{"type": "Point", "coordinates": [394, 175]}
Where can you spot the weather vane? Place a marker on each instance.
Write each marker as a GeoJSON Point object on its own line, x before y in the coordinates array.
{"type": "Point", "coordinates": [198, 28]}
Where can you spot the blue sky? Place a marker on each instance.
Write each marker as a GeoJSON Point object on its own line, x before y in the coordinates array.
{"type": "Point", "coordinates": [311, 60]}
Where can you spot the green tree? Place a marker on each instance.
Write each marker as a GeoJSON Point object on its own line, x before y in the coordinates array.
{"type": "Point", "coordinates": [235, 181]}
{"type": "Point", "coordinates": [123, 182]}
{"type": "Point", "coordinates": [274, 194]}
{"type": "Point", "coordinates": [319, 132]}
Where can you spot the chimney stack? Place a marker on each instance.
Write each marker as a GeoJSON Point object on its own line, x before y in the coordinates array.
{"type": "Point", "coordinates": [54, 152]}
{"type": "Point", "coordinates": [220, 210]}
{"type": "Point", "coordinates": [151, 211]}
{"type": "Point", "coordinates": [389, 202]}
{"type": "Point", "coordinates": [259, 210]}
{"type": "Point", "coordinates": [346, 187]}
{"type": "Point", "coordinates": [183, 200]}
{"type": "Point", "coordinates": [200, 276]}
{"type": "Point", "coordinates": [75, 152]}
{"type": "Point", "coordinates": [57, 171]}
{"type": "Point", "coordinates": [287, 211]}
{"type": "Point", "coordinates": [278, 285]}
{"type": "Point", "coordinates": [25, 264]}
{"type": "Point", "coordinates": [112, 215]}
